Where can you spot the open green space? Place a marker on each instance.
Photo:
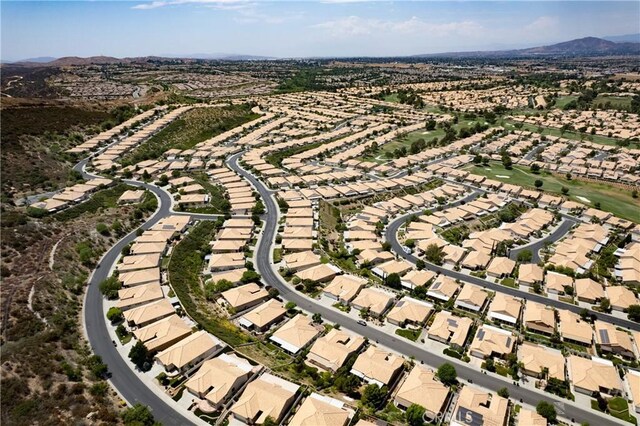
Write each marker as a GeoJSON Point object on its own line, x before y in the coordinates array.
{"type": "Point", "coordinates": [611, 198]}
{"type": "Point", "coordinates": [616, 102]}
{"type": "Point", "coordinates": [276, 158]}
{"type": "Point", "coordinates": [194, 126]}
{"type": "Point", "coordinates": [550, 131]}
{"type": "Point", "coordinates": [393, 97]}
{"type": "Point", "coordinates": [218, 203]}
{"type": "Point", "coordinates": [184, 274]}
{"type": "Point", "coordinates": [387, 150]}
{"type": "Point", "coordinates": [563, 101]}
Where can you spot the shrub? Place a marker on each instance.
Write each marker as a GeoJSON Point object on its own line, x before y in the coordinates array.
{"type": "Point", "coordinates": [114, 314]}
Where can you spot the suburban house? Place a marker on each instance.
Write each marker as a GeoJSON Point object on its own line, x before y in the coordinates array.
{"type": "Point", "coordinates": [295, 334]}
{"type": "Point", "coordinates": [320, 410]}
{"type": "Point", "coordinates": [219, 378]}
{"type": "Point", "coordinates": [164, 333]}
{"type": "Point", "coordinates": [409, 311]}
{"type": "Point", "coordinates": [264, 316]}
{"type": "Point", "coordinates": [267, 396]}
{"type": "Point", "coordinates": [475, 406]}
{"type": "Point", "coordinates": [590, 375]}
{"type": "Point", "coordinates": [344, 288]}
{"type": "Point", "coordinates": [492, 342]}
{"type": "Point", "coordinates": [541, 362]}
{"type": "Point", "coordinates": [377, 366]}
{"type": "Point", "coordinates": [421, 387]}
{"type": "Point", "coordinates": [450, 329]}
{"type": "Point", "coordinates": [331, 351]}
{"type": "Point", "coordinates": [188, 353]}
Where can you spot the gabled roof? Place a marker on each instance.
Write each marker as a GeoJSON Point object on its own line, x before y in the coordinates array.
{"type": "Point", "coordinates": [421, 387]}
{"type": "Point", "coordinates": [591, 374]}
{"type": "Point", "coordinates": [267, 396]}
{"type": "Point", "coordinates": [189, 349]}
{"type": "Point", "coordinates": [318, 410]}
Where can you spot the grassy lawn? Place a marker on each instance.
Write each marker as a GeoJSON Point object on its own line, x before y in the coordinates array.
{"type": "Point", "coordinates": [612, 199]}
{"type": "Point", "coordinates": [343, 308]}
{"type": "Point", "coordinates": [409, 334]}
{"type": "Point", "coordinates": [509, 282]}
{"type": "Point", "coordinates": [562, 101]}
{"type": "Point", "coordinates": [392, 98]}
{"type": "Point", "coordinates": [406, 140]}
{"type": "Point", "coordinates": [277, 255]}
{"type": "Point", "coordinates": [618, 408]}
{"type": "Point", "coordinates": [615, 101]}
{"type": "Point", "coordinates": [551, 131]}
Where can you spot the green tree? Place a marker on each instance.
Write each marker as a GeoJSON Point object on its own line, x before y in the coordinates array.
{"type": "Point", "coordinates": [393, 280]}
{"type": "Point", "coordinates": [373, 396]}
{"type": "Point", "coordinates": [317, 318]}
{"type": "Point", "coordinates": [114, 314]}
{"type": "Point", "coordinates": [211, 289]}
{"type": "Point", "coordinates": [503, 392]}
{"type": "Point", "coordinates": [109, 287]}
{"type": "Point", "coordinates": [258, 208]}
{"type": "Point", "coordinates": [538, 183]}
{"type": "Point", "coordinates": [420, 264]}
{"type": "Point", "coordinates": [547, 410]}
{"type": "Point", "coordinates": [415, 415]}
{"type": "Point", "coordinates": [250, 277]}
{"type": "Point", "coordinates": [290, 306]}
{"type": "Point", "coordinates": [139, 355]}
{"type": "Point", "coordinates": [535, 168]}
{"type": "Point", "coordinates": [564, 190]}
{"type": "Point", "coordinates": [434, 254]}
{"type": "Point", "coordinates": [138, 415]}
{"type": "Point", "coordinates": [605, 305]}
{"type": "Point", "coordinates": [633, 312]}
{"type": "Point", "coordinates": [525, 256]}
{"type": "Point", "coordinates": [447, 374]}
{"type": "Point", "coordinates": [506, 161]}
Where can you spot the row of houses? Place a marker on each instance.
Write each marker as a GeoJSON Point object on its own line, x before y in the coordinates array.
{"type": "Point", "coordinates": [72, 195]}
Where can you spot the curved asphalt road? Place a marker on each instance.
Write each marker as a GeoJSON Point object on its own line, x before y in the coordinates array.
{"type": "Point", "coordinates": [129, 385]}
{"type": "Point", "coordinates": [264, 266]}
{"type": "Point", "coordinates": [535, 247]}
{"type": "Point", "coordinates": [132, 389]}
{"type": "Point", "coordinates": [391, 236]}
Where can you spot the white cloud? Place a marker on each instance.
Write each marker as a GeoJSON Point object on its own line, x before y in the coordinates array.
{"type": "Point", "coordinates": [213, 3]}
{"type": "Point", "coordinates": [543, 23]}
{"type": "Point", "coordinates": [356, 26]}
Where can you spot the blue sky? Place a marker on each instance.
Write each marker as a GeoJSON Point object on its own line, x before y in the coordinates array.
{"type": "Point", "coordinates": [300, 29]}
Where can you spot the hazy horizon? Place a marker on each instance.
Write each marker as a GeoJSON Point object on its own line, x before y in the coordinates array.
{"type": "Point", "coordinates": [282, 29]}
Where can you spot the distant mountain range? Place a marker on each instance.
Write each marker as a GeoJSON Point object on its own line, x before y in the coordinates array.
{"type": "Point", "coordinates": [100, 60]}
{"type": "Point", "coordinates": [588, 46]}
